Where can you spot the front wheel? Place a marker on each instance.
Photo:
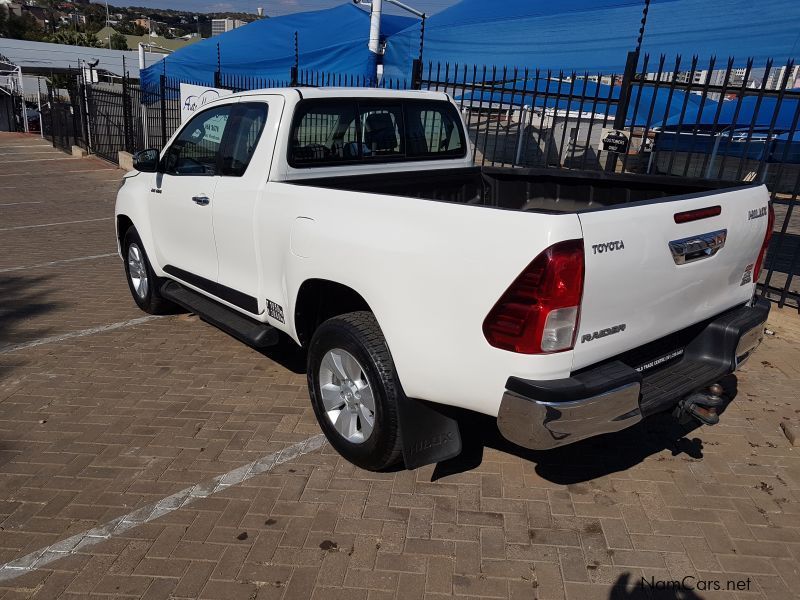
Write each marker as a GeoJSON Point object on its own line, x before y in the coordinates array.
{"type": "Point", "coordinates": [355, 391]}
{"type": "Point", "coordinates": [141, 280]}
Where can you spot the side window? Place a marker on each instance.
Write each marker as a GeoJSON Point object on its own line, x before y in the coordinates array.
{"type": "Point", "coordinates": [196, 149]}
{"type": "Point", "coordinates": [433, 129]}
{"type": "Point", "coordinates": [324, 133]}
{"type": "Point", "coordinates": [382, 128]}
{"type": "Point", "coordinates": [248, 123]}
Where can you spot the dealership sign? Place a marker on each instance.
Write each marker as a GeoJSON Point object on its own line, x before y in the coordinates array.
{"type": "Point", "coordinates": [195, 97]}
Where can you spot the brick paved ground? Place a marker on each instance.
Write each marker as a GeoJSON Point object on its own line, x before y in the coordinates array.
{"type": "Point", "coordinates": [93, 427]}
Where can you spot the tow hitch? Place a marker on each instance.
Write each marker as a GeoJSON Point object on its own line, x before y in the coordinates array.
{"type": "Point", "coordinates": [701, 405]}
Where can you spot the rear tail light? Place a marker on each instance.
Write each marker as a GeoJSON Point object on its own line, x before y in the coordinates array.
{"type": "Point", "coordinates": [539, 312]}
{"type": "Point", "coordinates": [767, 237]}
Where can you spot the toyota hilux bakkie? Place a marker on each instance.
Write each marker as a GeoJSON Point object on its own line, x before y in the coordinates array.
{"type": "Point", "coordinates": [566, 304]}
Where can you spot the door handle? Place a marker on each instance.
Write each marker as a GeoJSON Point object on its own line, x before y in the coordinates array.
{"type": "Point", "coordinates": [201, 200]}
{"type": "Point", "coordinates": [698, 247]}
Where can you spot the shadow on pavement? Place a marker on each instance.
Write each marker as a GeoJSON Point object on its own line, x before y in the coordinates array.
{"type": "Point", "coordinates": [288, 355]}
{"type": "Point", "coordinates": [587, 459]}
{"type": "Point", "coordinates": [23, 298]}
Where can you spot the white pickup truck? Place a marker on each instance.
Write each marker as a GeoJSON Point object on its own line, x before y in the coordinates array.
{"type": "Point", "coordinates": [566, 304]}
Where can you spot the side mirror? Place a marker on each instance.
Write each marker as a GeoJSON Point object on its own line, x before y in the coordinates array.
{"type": "Point", "coordinates": [146, 161]}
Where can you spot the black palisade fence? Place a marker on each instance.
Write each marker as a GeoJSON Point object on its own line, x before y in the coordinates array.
{"type": "Point", "coordinates": [713, 120]}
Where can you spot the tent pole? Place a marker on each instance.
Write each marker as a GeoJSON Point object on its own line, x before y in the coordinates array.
{"type": "Point", "coordinates": [714, 152]}
{"type": "Point", "coordinates": [143, 105]}
{"type": "Point", "coordinates": [375, 26]}
{"type": "Point", "coordinates": [39, 105]}
{"type": "Point", "coordinates": [523, 115]}
{"type": "Point", "coordinates": [22, 97]}
{"type": "Point", "coordinates": [375, 34]}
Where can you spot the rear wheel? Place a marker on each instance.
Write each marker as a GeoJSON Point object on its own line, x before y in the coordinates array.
{"type": "Point", "coordinates": [141, 280]}
{"type": "Point", "coordinates": [354, 390]}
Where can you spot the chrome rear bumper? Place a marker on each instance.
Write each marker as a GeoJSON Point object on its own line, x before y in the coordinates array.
{"type": "Point", "coordinates": [546, 414]}
{"type": "Point", "coordinates": [546, 425]}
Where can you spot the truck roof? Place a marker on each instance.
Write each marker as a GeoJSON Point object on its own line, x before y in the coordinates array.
{"type": "Point", "coordinates": [344, 92]}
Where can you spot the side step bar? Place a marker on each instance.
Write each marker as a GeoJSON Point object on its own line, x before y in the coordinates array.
{"type": "Point", "coordinates": [249, 331]}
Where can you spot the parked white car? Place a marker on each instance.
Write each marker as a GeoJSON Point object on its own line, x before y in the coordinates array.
{"type": "Point", "coordinates": [566, 304]}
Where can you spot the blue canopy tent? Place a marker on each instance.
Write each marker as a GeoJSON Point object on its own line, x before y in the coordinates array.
{"type": "Point", "coordinates": [556, 94]}
{"type": "Point", "coordinates": [596, 35]}
{"type": "Point", "coordinates": [332, 40]}
{"type": "Point", "coordinates": [786, 148]}
{"type": "Point", "coordinates": [736, 113]}
{"type": "Point", "coordinates": [744, 128]}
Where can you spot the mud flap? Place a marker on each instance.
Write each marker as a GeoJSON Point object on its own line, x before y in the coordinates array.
{"type": "Point", "coordinates": [429, 435]}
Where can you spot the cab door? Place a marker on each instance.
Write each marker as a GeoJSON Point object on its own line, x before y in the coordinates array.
{"type": "Point", "coordinates": [181, 203]}
{"type": "Point", "coordinates": [246, 159]}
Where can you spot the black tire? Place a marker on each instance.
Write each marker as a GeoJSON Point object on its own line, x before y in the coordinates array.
{"type": "Point", "coordinates": [151, 301]}
{"type": "Point", "coordinates": [358, 333]}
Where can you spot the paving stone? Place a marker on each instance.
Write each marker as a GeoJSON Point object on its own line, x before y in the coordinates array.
{"type": "Point", "coordinates": [99, 426]}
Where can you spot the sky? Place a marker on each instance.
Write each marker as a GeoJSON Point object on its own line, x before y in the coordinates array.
{"type": "Point", "coordinates": [272, 8]}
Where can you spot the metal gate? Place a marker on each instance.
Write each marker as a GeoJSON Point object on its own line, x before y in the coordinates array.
{"type": "Point", "coordinates": [113, 128]}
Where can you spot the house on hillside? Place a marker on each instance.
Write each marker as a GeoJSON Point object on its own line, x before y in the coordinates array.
{"type": "Point", "coordinates": [133, 41]}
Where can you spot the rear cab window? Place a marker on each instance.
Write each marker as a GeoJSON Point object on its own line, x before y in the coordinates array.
{"type": "Point", "coordinates": [340, 131]}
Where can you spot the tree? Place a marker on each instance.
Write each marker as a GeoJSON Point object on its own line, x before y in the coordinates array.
{"type": "Point", "coordinates": [75, 38]}
{"type": "Point", "coordinates": [51, 6]}
{"type": "Point", "coordinates": [118, 41]}
{"type": "Point", "coordinates": [3, 20]}
{"type": "Point", "coordinates": [22, 28]}
{"type": "Point", "coordinates": [95, 17]}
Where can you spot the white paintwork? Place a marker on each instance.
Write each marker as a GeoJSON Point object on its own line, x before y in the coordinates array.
{"type": "Point", "coordinates": [184, 230]}
{"type": "Point", "coordinates": [431, 271]}
{"type": "Point", "coordinates": [642, 287]}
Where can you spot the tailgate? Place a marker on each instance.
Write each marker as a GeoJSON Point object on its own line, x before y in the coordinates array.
{"type": "Point", "coordinates": [635, 289]}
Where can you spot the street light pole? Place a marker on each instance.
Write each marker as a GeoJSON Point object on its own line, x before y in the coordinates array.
{"type": "Point", "coordinates": [376, 10]}
{"type": "Point", "coordinates": [375, 26]}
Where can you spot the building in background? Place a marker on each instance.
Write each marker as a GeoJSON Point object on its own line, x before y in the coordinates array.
{"type": "Point", "coordinates": [775, 79]}
{"type": "Point", "coordinates": [156, 41]}
{"type": "Point", "coordinates": [219, 26]}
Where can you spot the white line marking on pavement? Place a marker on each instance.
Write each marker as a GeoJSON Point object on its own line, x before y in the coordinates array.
{"type": "Point", "coordinates": [41, 159]}
{"type": "Point", "coordinates": [57, 262]}
{"type": "Point", "coordinates": [54, 224]}
{"type": "Point", "coordinates": [77, 334]}
{"type": "Point", "coordinates": [44, 150]}
{"type": "Point", "coordinates": [44, 556]}
{"type": "Point", "coordinates": [41, 145]}
{"type": "Point", "coordinates": [62, 173]}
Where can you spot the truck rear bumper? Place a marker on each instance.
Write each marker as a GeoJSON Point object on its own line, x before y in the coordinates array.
{"type": "Point", "coordinates": [620, 392]}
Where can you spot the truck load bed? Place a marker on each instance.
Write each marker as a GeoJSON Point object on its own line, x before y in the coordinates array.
{"type": "Point", "coordinates": [535, 190]}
